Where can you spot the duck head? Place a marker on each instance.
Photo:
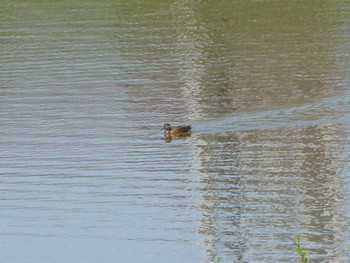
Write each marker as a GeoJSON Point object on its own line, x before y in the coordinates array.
{"type": "Point", "coordinates": [166, 127]}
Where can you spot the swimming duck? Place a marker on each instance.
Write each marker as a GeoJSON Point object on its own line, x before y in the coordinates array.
{"type": "Point", "coordinates": [183, 130]}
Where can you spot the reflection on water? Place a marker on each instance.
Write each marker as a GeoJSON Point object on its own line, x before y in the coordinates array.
{"type": "Point", "coordinates": [273, 183]}
{"type": "Point", "coordinates": [86, 87]}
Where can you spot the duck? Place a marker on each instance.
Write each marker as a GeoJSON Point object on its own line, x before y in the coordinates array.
{"type": "Point", "coordinates": [178, 131]}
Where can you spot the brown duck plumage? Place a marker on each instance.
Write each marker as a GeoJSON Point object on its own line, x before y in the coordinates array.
{"type": "Point", "coordinates": [176, 131]}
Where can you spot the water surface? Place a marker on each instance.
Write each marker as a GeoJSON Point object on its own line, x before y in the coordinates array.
{"type": "Point", "coordinates": [86, 174]}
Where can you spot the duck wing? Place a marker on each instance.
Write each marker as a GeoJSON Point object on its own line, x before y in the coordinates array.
{"type": "Point", "coordinates": [183, 129]}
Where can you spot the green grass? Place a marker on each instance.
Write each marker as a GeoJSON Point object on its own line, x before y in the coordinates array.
{"type": "Point", "coordinates": [300, 251]}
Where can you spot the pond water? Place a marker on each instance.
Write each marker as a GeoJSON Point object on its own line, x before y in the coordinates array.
{"type": "Point", "coordinates": [86, 174]}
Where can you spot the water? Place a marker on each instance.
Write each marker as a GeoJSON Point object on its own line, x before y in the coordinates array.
{"type": "Point", "coordinates": [86, 174]}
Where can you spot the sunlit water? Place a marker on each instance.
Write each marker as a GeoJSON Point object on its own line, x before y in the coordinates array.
{"type": "Point", "coordinates": [86, 174]}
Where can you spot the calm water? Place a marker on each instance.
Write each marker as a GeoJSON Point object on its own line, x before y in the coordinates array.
{"type": "Point", "coordinates": [86, 174]}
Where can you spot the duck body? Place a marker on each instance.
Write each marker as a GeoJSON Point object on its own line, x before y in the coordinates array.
{"type": "Point", "coordinates": [178, 131]}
